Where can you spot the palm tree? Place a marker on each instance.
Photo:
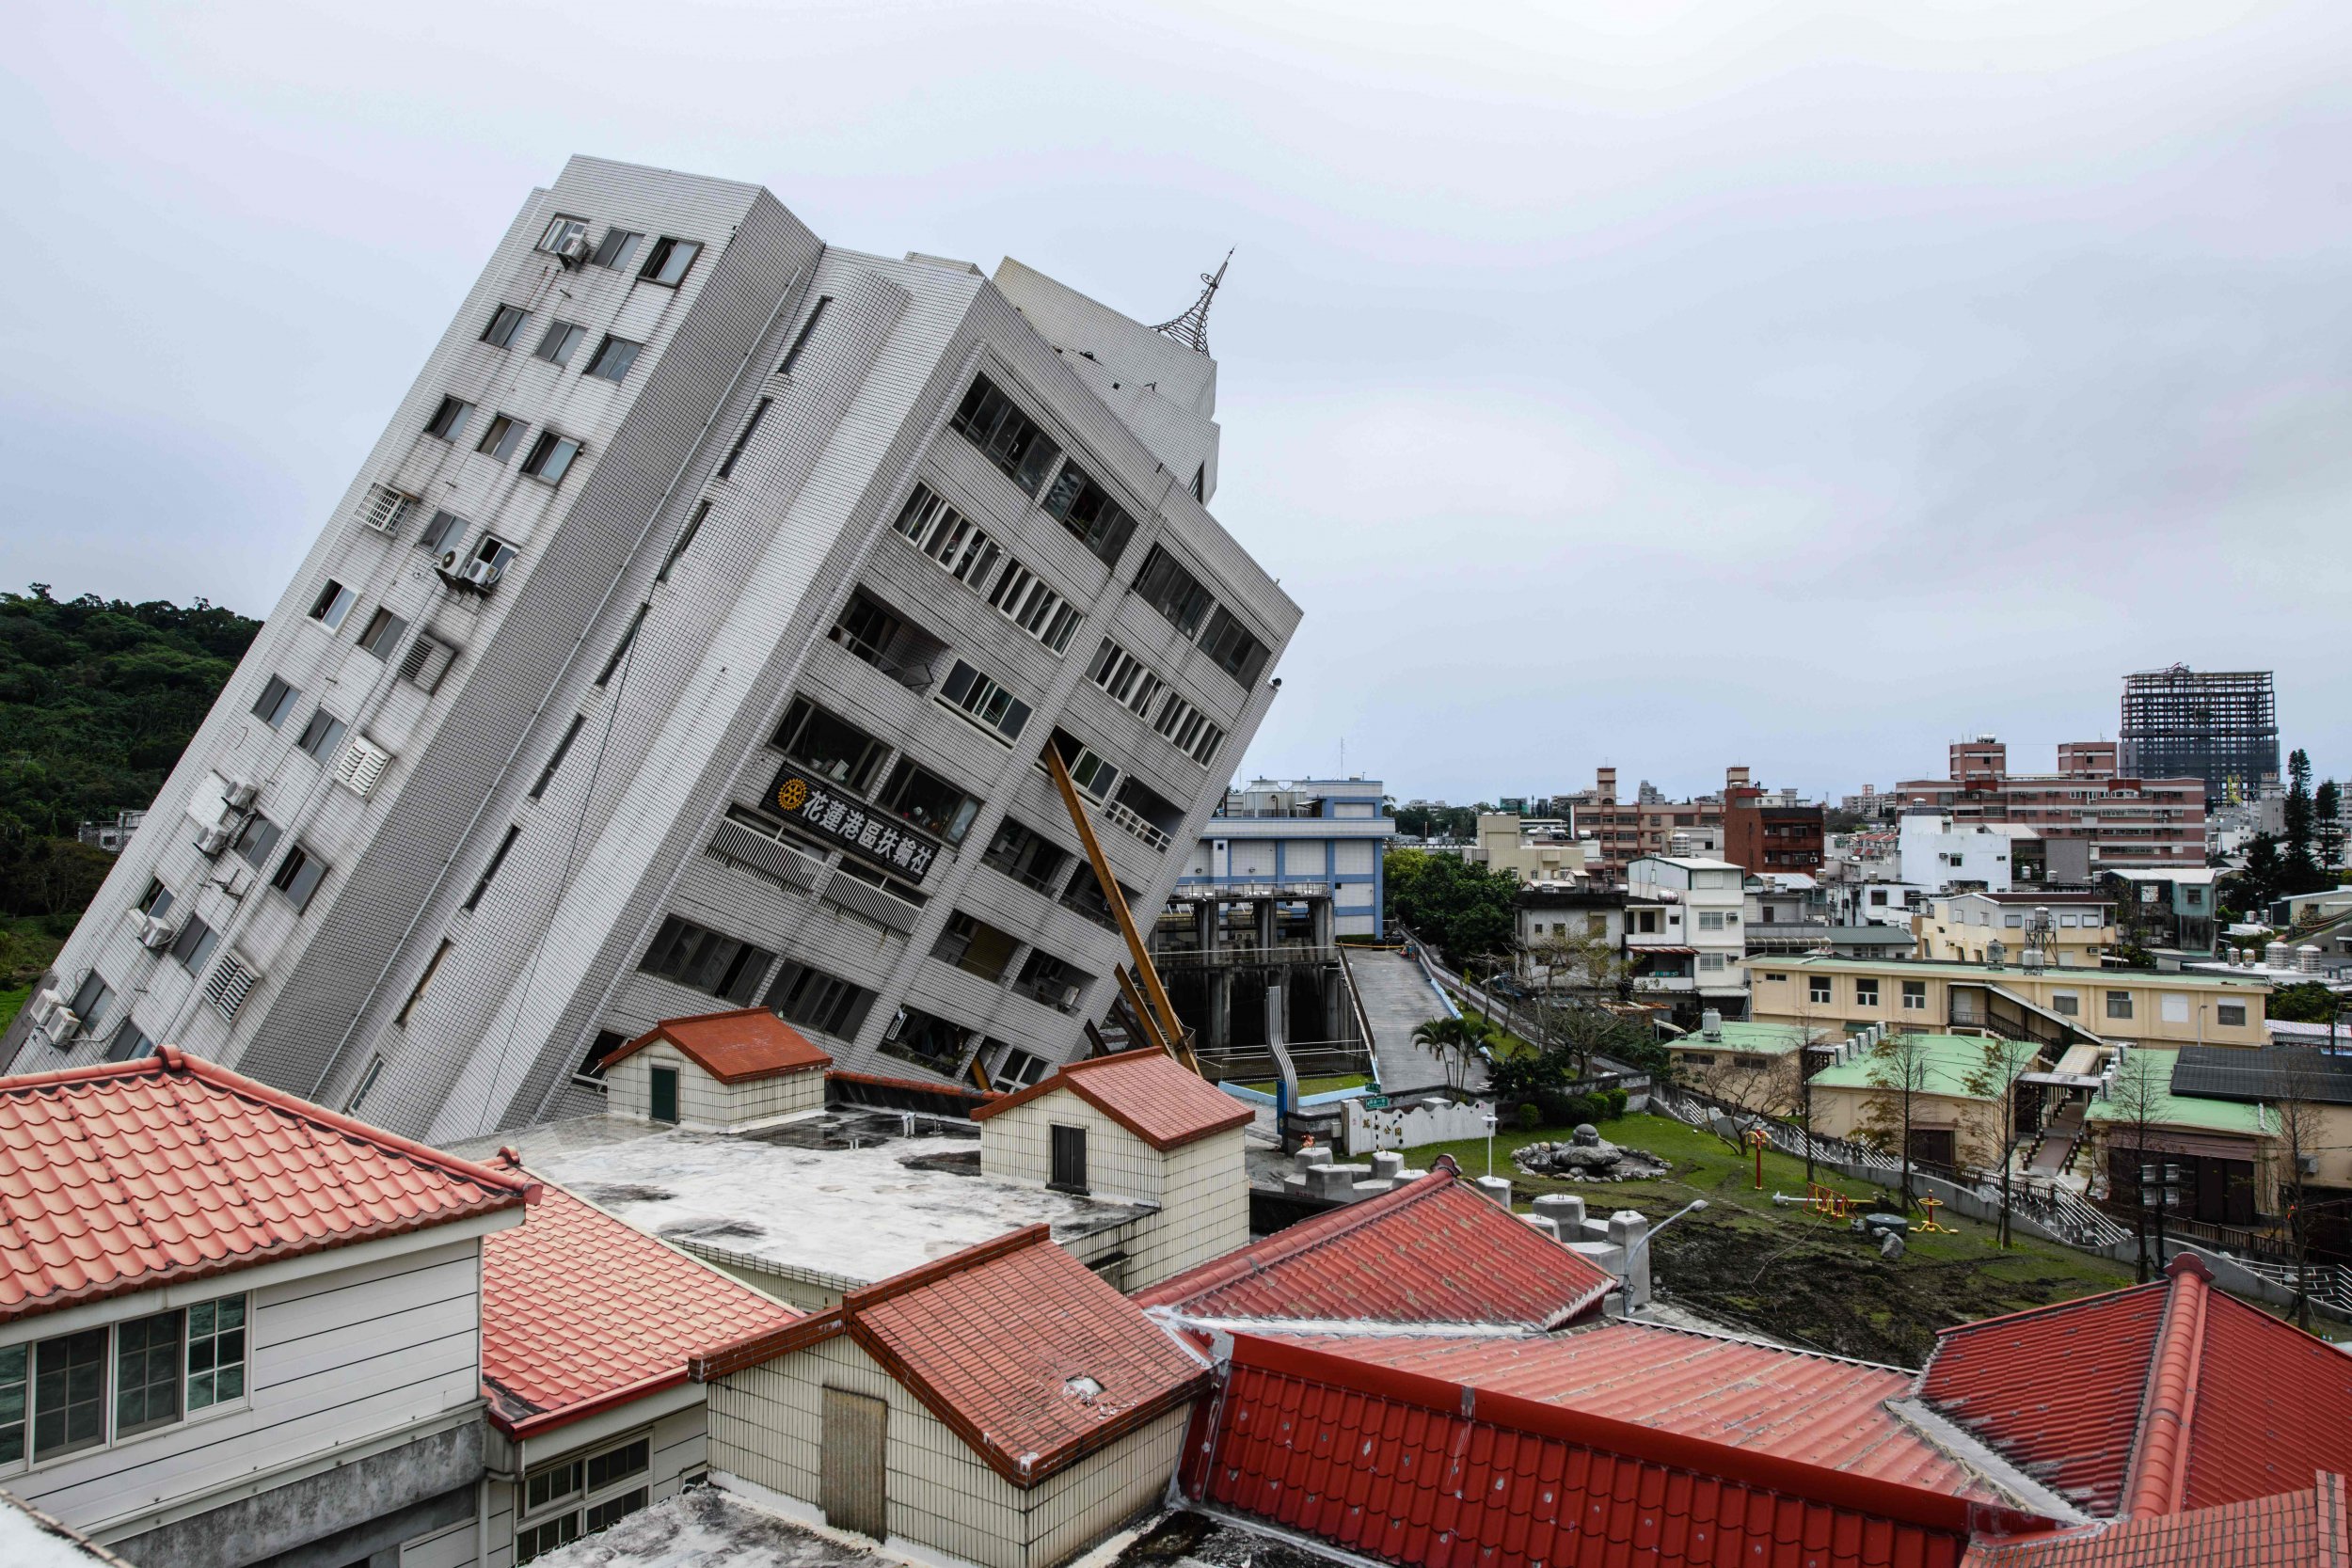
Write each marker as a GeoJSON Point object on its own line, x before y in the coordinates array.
{"type": "Point", "coordinates": [1455, 1040]}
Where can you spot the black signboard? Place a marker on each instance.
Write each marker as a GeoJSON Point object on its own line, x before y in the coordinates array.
{"type": "Point", "coordinates": [825, 811]}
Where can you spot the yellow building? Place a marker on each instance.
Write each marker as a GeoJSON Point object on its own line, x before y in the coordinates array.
{"type": "Point", "coordinates": [1755, 1066]}
{"type": "Point", "coordinates": [2052, 1006]}
{"type": "Point", "coordinates": [1965, 927]}
{"type": "Point", "coordinates": [1540, 852]}
{"type": "Point", "coordinates": [1956, 1111]}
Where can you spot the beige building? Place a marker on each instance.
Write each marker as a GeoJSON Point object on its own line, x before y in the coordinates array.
{"type": "Point", "coordinates": [2055, 1007]}
{"type": "Point", "coordinates": [1757, 1067]}
{"type": "Point", "coordinates": [1004, 1406]}
{"type": "Point", "coordinates": [2070, 930]}
{"type": "Point", "coordinates": [1137, 1128]}
{"type": "Point", "coordinates": [717, 1072]}
{"type": "Point", "coordinates": [1540, 852]}
{"type": "Point", "coordinates": [1956, 1110]}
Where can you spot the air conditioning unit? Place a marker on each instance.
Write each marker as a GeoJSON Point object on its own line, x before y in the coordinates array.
{"type": "Point", "coordinates": [156, 935]}
{"type": "Point", "coordinates": [43, 1005]}
{"type": "Point", "coordinates": [214, 839]}
{"type": "Point", "coordinates": [482, 575]}
{"type": "Point", "coordinates": [60, 1026]}
{"type": "Point", "coordinates": [447, 565]}
{"type": "Point", "coordinates": [241, 794]}
{"type": "Point", "coordinates": [574, 251]}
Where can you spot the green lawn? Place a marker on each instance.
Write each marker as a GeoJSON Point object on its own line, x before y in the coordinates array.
{"type": "Point", "coordinates": [1787, 1272]}
{"type": "Point", "coordinates": [1318, 1085]}
{"type": "Point", "coordinates": [12, 1001]}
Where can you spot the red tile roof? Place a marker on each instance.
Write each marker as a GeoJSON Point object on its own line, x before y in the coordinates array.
{"type": "Point", "coordinates": [1417, 1467]}
{"type": "Point", "coordinates": [2152, 1401]}
{"type": "Point", "coordinates": [1148, 1092]}
{"type": "Point", "coordinates": [734, 1046]}
{"type": "Point", "coordinates": [120, 1177]}
{"type": "Point", "coordinates": [991, 1339]}
{"type": "Point", "coordinates": [581, 1311]}
{"type": "Point", "coordinates": [2294, 1530]}
{"type": "Point", "coordinates": [1435, 1250]}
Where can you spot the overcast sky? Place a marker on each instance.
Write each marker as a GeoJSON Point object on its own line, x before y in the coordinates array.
{"type": "Point", "coordinates": [1651, 384]}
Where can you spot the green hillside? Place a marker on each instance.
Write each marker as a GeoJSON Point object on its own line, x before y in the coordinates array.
{"type": "Point", "coordinates": [98, 698]}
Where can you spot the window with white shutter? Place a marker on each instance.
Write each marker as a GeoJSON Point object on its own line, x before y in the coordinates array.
{"type": "Point", "coordinates": [362, 766]}
{"type": "Point", "coordinates": [229, 985]}
{"type": "Point", "coordinates": [427, 660]}
{"type": "Point", "coordinates": [384, 508]}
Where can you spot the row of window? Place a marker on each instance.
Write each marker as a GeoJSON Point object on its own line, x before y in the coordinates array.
{"type": "Point", "coordinates": [1132, 684]}
{"type": "Point", "coordinates": [1168, 586]}
{"type": "Point", "coordinates": [561, 340]}
{"type": "Point", "coordinates": [99, 1386]}
{"type": "Point", "coordinates": [548, 460]}
{"type": "Point", "coordinates": [964, 552]}
{"type": "Point", "coordinates": [666, 261]}
{"type": "Point", "coordinates": [580, 1494]}
{"type": "Point", "coordinates": [978, 948]}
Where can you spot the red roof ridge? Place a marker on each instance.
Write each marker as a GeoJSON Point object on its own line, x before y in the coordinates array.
{"type": "Point", "coordinates": [171, 1059]}
{"type": "Point", "coordinates": [2158, 1468]}
{"type": "Point", "coordinates": [938, 1269]}
{"type": "Point", "coordinates": [1073, 1077]}
{"type": "Point", "coordinates": [793, 1052]}
{"type": "Point", "coordinates": [1298, 1240]}
{"type": "Point", "coordinates": [927, 1086]}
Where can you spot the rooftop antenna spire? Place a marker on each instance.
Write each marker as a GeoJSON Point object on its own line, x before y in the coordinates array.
{"type": "Point", "coordinates": [1192, 327]}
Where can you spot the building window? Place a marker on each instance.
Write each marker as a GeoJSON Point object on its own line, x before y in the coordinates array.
{"type": "Point", "coordinates": [2230, 1015]}
{"type": "Point", "coordinates": [1711, 920]}
{"type": "Point", "coordinates": [504, 434]}
{"type": "Point", "coordinates": [620, 649]}
{"type": "Point", "coordinates": [962, 549]}
{"type": "Point", "coordinates": [69, 1393]}
{"type": "Point", "coordinates": [322, 734]}
{"type": "Point", "coordinates": [2066, 1004]}
{"type": "Point", "coordinates": [1172, 590]}
{"type": "Point", "coordinates": [617, 248]}
{"type": "Point", "coordinates": [1069, 1158]}
{"type": "Point", "coordinates": [299, 876]}
{"type": "Point", "coordinates": [1232, 647]}
{"type": "Point", "coordinates": [1189, 728]}
{"type": "Point", "coordinates": [813, 999]}
{"type": "Point", "coordinates": [333, 603]}
{"type": "Point", "coordinates": [216, 1352]}
{"type": "Point", "coordinates": [1710, 963]}
{"type": "Point", "coordinates": [799, 339]}
{"type": "Point", "coordinates": [449, 420]}
{"type": "Point", "coordinates": [685, 537]}
{"type": "Point", "coordinates": [1819, 989]}
{"type": "Point", "coordinates": [1024, 599]}
{"type": "Point", "coordinates": [498, 858]}
{"type": "Point", "coordinates": [276, 700]}
{"type": "Point", "coordinates": [256, 839]}
{"type": "Point", "coordinates": [743, 438]}
{"type": "Point", "coordinates": [833, 749]}
{"type": "Point", "coordinates": [1087, 510]}
{"type": "Point", "coordinates": [1127, 678]}
{"type": "Point", "coordinates": [550, 457]}
{"type": "Point", "coordinates": [1026, 856]}
{"type": "Point", "coordinates": [156, 900]}
{"type": "Point", "coordinates": [708, 962]}
{"type": "Point", "coordinates": [928, 801]}
{"type": "Point", "coordinates": [555, 759]}
{"type": "Point", "coordinates": [926, 1039]}
{"type": "Point", "coordinates": [557, 343]}
{"type": "Point", "coordinates": [562, 232]}
{"type": "Point", "coordinates": [444, 529]}
{"type": "Point", "coordinates": [614, 357]}
{"type": "Point", "coordinates": [670, 260]}
{"type": "Point", "coordinates": [193, 945]}
{"type": "Point", "coordinates": [1914, 996]}
{"type": "Point", "coordinates": [505, 321]}
{"type": "Point", "coordinates": [974, 946]}
{"type": "Point", "coordinates": [1018, 1070]}
{"type": "Point", "coordinates": [1006, 435]}
{"type": "Point", "coordinates": [1866, 993]}
{"type": "Point", "coordinates": [416, 992]}
{"type": "Point", "coordinates": [591, 1494]}
{"type": "Point", "coordinates": [147, 1373]}
{"type": "Point", "coordinates": [381, 634]}
{"type": "Point", "coordinates": [985, 701]}
{"type": "Point", "coordinates": [2120, 1004]}
{"type": "Point", "coordinates": [130, 1040]}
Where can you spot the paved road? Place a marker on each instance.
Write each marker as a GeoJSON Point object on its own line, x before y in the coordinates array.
{"type": "Point", "coordinates": [1396, 997]}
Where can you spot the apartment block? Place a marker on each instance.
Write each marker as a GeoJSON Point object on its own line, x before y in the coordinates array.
{"type": "Point", "coordinates": [2117, 820]}
{"type": "Point", "coordinates": [1622, 832]}
{"type": "Point", "coordinates": [691, 638]}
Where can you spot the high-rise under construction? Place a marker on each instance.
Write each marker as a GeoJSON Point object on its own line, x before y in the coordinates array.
{"type": "Point", "coordinates": [2222, 725]}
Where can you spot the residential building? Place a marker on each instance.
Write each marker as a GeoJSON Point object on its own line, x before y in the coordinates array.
{"type": "Point", "coordinates": [1001, 1406]}
{"type": "Point", "coordinates": [2173, 912]}
{"type": "Point", "coordinates": [1623, 830]}
{"type": "Point", "coordinates": [2114, 818]}
{"type": "Point", "coordinates": [2051, 1007]}
{"type": "Point", "coordinates": [1330, 835]}
{"type": "Point", "coordinates": [1539, 851]}
{"type": "Point", "coordinates": [2220, 726]}
{"type": "Point", "coordinates": [2070, 930]}
{"type": "Point", "coordinates": [1549, 916]}
{"type": "Point", "coordinates": [1765, 836]}
{"type": "Point", "coordinates": [1948, 1093]}
{"type": "Point", "coordinates": [111, 837]}
{"type": "Point", "coordinates": [1938, 854]}
{"type": "Point", "coordinates": [1684, 936]}
{"type": "Point", "coordinates": [236, 1328]}
{"type": "Point", "coordinates": [588, 1330]}
{"type": "Point", "coordinates": [693, 635]}
{"type": "Point", "coordinates": [1757, 1067]}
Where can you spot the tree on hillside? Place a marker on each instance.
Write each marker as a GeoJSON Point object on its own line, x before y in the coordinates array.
{"type": "Point", "coordinates": [2138, 1094]}
{"type": "Point", "coordinates": [1900, 1068]}
{"type": "Point", "coordinates": [1995, 1077]}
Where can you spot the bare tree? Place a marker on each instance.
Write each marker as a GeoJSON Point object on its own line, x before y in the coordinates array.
{"type": "Point", "coordinates": [2301, 1137]}
{"type": "Point", "coordinates": [2137, 1093]}
{"type": "Point", "coordinates": [1585, 960]}
{"type": "Point", "coordinates": [1994, 1080]}
{"type": "Point", "coordinates": [1900, 1068]}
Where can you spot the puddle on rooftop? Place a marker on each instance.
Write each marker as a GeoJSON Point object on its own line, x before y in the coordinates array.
{"type": "Point", "coordinates": [625, 1191]}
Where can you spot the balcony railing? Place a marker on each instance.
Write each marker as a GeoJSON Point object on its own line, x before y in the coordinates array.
{"type": "Point", "coordinates": [1126, 818]}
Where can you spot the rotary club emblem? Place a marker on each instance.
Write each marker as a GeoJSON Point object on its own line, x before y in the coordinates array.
{"type": "Point", "coordinates": [792, 794]}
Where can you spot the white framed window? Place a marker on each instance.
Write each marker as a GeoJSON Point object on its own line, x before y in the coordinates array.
{"type": "Point", "coordinates": [1866, 993]}
{"type": "Point", "coordinates": [2066, 1004]}
{"type": "Point", "coordinates": [332, 605]}
{"type": "Point", "coordinates": [561, 231]}
{"type": "Point", "coordinates": [1711, 920]}
{"type": "Point", "coordinates": [117, 1381]}
{"type": "Point", "coordinates": [580, 1494]}
{"type": "Point", "coordinates": [1914, 996]}
{"type": "Point", "coordinates": [1819, 990]}
{"type": "Point", "coordinates": [982, 700]}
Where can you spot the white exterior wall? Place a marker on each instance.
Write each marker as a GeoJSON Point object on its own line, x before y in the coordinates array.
{"type": "Point", "coordinates": [1933, 852]}
{"type": "Point", "coordinates": [1202, 1188]}
{"type": "Point", "coordinates": [767, 1425]}
{"type": "Point", "coordinates": [379, 1345]}
{"type": "Point", "coordinates": [703, 1104]}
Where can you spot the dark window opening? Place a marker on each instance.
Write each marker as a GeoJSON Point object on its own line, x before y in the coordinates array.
{"type": "Point", "coordinates": [555, 760]}
{"type": "Point", "coordinates": [685, 537]}
{"type": "Point", "coordinates": [834, 749]}
{"type": "Point", "coordinates": [670, 260]}
{"type": "Point", "coordinates": [926, 1039]}
{"type": "Point", "coordinates": [498, 858]}
{"type": "Point", "coordinates": [614, 357]}
{"type": "Point", "coordinates": [809, 998]}
{"type": "Point", "coordinates": [743, 438]}
{"type": "Point", "coordinates": [620, 649]}
{"type": "Point", "coordinates": [800, 340]}
{"type": "Point", "coordinates": [720, 965]}
{"type": "Point", "coordinates": [1235, 651]}
{"type": "Point", "coordinates": [617, 248]}
{"type": "Point", "coordinates": [1006, 435]}
{"type": "Point", "coordinates": [1026, 856]}
{"type": "Point", "coordinates": [888, 641]}
{"type": "Point", "coordinates": [975, 946]}
{"type": "Point", "coordinates": [449, 419]}
{"type": "Point", "coordinates": [928, 801]}
{"type": "Point", "coordinates": [505, 321]}
{"type": "Point", "coordinates": [1087, 510]}
{"type": "Point", "coordinates": [1168, 587]}
{"type": "Point", "coordinates": [1070, 1159]}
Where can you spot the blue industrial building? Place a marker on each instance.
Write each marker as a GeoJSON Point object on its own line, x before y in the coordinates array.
{"type": "Point", "coordinates": [1304, 838]}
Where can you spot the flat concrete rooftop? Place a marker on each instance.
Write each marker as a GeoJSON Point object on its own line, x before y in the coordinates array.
{"type": "Point", "coordinates": [835, 1199]}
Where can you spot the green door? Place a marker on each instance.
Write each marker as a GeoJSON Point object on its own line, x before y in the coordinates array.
{"type": "Point", "coordinates": [665, 1094]}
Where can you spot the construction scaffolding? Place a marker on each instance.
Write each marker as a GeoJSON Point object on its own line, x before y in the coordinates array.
{"type": "Point", "coordinates": [2221, 726]}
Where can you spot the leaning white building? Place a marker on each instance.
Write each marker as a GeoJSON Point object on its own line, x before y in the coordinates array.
{"type": "Point", "coordinates": [690, 637]}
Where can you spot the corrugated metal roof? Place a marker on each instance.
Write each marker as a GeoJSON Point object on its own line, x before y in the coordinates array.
{"type": "Point", "coordinates": [120, 1177]}
{"type": "Point", "coordinates": [2269, 1072]}
{"type": "Point", "coordinates": [1435, 1250]}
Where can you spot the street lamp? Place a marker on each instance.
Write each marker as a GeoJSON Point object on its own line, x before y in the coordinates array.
{"type": "Point", "coordinates": [1491, 1142]}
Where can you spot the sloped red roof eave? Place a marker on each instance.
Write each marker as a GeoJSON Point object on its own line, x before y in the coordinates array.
{"type": "Point", "coordinates": [1075, 1077]}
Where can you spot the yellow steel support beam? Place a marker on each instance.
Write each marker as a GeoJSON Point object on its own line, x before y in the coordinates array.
{"type": "Point", "coordinates": [1163, 1011]}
